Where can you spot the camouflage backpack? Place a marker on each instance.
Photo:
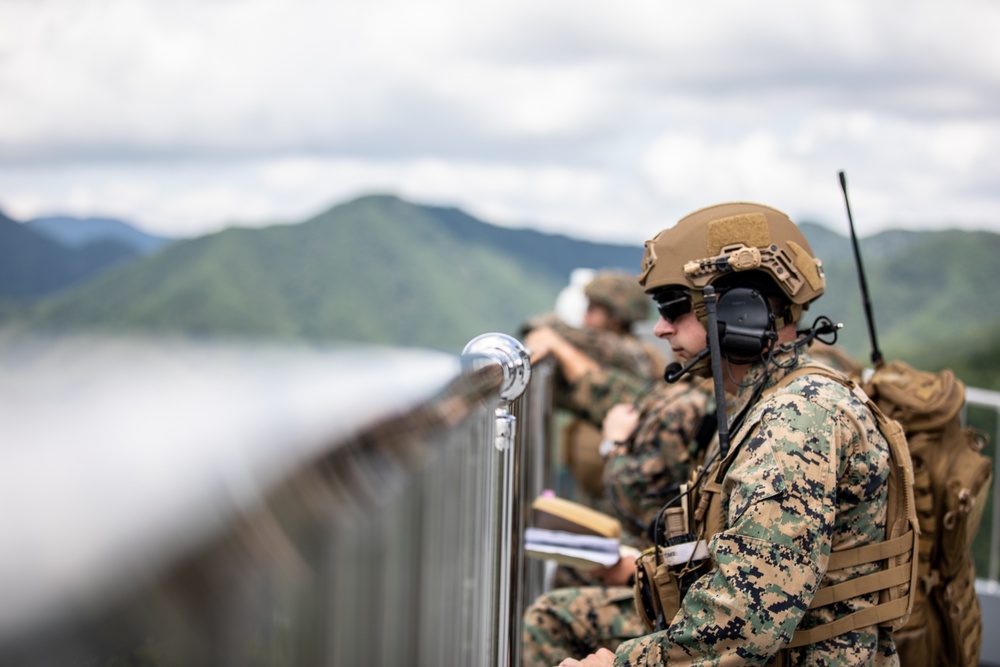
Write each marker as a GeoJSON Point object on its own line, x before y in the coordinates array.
{"type": "Point", "coordinates": [951, 480]}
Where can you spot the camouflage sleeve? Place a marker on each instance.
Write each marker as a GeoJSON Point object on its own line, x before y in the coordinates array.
{"type": "Point", "coordinates": [598, 391]}
{"type": "Point", "coordinates": [611, 350]}
{"type": "Point", "coordinates": [781, 499]}
{"type": "Point", "coordinates": [657, 459]}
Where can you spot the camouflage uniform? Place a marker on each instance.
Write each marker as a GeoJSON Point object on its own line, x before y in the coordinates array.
{"type": "Point", "coordinates": [594, 394]}
{"type": "Point", "coordinates": [621, 352]}
{"type": "Point", "coordinates": [808, 475]}
{"type": "Point", "coordinates": [658, 456]}
{"type": "Point", "coordinates": [624, 300]}
{"type": "Point", "coordinates": [577, 621]}
{"type": "Point", "coordinates": [632, 363]}
{"type": "Point", "coordinates": [574, 622]}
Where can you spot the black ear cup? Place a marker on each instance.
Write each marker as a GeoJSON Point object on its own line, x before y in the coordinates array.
{"type": "Point", "coordinates": [746, 323]}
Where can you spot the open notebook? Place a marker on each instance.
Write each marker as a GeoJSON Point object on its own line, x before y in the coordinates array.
{"type": "Point", "coordinates": [572, 534]}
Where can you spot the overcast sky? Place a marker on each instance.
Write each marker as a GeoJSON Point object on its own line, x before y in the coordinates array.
{"type": "Point", "coordinates": [602, 120]}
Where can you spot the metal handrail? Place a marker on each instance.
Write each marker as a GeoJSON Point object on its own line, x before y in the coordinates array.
{"type": "Point", "coordinates": [365, 524]}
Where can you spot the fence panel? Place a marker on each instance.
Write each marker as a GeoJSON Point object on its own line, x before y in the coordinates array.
{"type": "Point", "coordinates": [348, 511]}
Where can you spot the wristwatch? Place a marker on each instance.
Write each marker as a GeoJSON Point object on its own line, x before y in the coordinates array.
{"type": "Point", "coordinates": [607, 446]}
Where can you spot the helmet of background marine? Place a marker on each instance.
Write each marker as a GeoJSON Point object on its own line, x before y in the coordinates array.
{"type": "Point", "coordinates": [727, 239]}
{"type": "Point", "coordinates": [620, 294]}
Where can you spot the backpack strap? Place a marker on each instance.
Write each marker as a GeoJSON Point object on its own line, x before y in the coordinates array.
{"type": "Point", "coordinates": [896, 579]}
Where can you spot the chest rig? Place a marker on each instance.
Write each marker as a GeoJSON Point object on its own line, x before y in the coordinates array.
{"type": "Point", "coordinates": [664, 572]}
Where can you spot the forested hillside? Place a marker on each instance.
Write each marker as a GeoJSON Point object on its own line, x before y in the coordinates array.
{"type": "Point", "coordinates": [376, 269]}
{"type": "Point", "coordinates": [33, 265]}
{"type": "Point", "coordinates": [383, 270]}
{"type": "Point", "coordinates": [933, 293]}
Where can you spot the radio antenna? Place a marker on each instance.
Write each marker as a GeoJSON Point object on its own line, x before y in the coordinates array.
{"type": "Point", "coordinates": [876, 353]}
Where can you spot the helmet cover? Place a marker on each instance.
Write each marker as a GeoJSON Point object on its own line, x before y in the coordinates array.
{"type": "Point", "coordinates": [726, 239]}
{"type": "Point", "coordinates": [620, 293]}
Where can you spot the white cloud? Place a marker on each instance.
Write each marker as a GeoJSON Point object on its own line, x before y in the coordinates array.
{"type": "Point", "coordinates": [573, 115]}
{"type": "Point", "coordinates": [757, 167]}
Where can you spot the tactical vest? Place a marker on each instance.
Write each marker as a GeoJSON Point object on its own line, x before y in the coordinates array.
{"type": "Point", "coordinates": [663, 571]}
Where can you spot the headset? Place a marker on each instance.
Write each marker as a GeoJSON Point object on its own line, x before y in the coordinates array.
{"type": "Point", "coordinates": [746, 323]}
{"type": "Point", "coordinates": [746, 326]}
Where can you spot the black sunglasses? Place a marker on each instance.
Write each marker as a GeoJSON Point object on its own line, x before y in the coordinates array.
{"type": "Point", "coordinates": [672, 304]}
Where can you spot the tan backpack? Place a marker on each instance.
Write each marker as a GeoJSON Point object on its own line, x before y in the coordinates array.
{"type": "Point", "coordinates": [581, 445]}
{"type": "Point", "coordinates": [951, 481]}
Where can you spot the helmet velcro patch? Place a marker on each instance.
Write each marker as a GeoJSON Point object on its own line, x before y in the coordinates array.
{"type": "Point", "coordinates": [750, 229]}
{"type": "Point", "coordinates": [808, 266]}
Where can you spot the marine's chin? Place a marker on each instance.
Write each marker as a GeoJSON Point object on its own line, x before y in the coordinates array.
{"type": "Point", "coordinates": [703, 369]}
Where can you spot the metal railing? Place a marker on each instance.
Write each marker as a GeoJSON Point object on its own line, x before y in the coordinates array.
{"type": "Point", "coordinates": [387, 534]}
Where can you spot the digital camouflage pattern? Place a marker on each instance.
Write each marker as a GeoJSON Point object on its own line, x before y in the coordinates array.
{"type": "Point", "coordinates": [808, 475]}
{"type": "Point", "coordinates": [594, 394]}
{"type": "Point", "coordinates": [636, 483]}
{"type": "Point", "coordinates": [577, 621]}
{"type": "Point", "coordinates": [625, 353]}
{"type": "Point", "coordinates": [669, 417]}
{"type": "Point", "coordinates": [621, 294]}
{"type": "Point", "coordinates": [636, 362]}
{"type": "Point", "coordinates": [574, 622]}
{"type": "Point", "coordinates": [659, 456]}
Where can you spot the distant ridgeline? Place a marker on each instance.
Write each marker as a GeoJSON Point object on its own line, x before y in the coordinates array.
{"type": "Point", "coordinates": [43, 256]}
{"type": "Point", "coordinates": [933, 295]}
{"type": "Point", "coordinates": [382, 270]}
{"type": "Point", "coordinates": [376, 269]}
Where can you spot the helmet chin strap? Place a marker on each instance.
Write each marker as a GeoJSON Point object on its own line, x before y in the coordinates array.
{"type": "Point", "coordinates": [716, 352]}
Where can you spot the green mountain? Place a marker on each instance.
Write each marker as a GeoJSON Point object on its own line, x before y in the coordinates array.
{"type": "Point", "coordinates": [978, 369]}
{"type": "Point", "coordinates": [33, 265]}
{"type": "Point", "coordinates": [931, 292]}
{"type": "Point", "coordinates": [376, 269]}
{"type": "Point", "coordinates": [382, 270]}
{"type": "Point", "coordinates": [74, 232]}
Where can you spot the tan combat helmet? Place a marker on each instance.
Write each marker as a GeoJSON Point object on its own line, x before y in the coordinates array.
{"type": "Point", "coordinates": [728, 238]}
{"type": "Point", "coordinates": [620, 294]}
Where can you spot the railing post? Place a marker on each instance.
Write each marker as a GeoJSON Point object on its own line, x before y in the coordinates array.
{"type": "Point", "coordinates": [513, 359]}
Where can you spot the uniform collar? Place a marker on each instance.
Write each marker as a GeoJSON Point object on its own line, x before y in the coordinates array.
{"type": "Point", "coordinates": [776, 368]}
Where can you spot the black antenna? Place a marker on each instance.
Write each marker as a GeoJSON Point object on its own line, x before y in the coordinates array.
{"type": "Point", "coordinates": [876, 354]}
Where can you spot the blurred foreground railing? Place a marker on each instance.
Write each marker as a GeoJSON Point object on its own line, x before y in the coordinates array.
{"type": "Point", "coordinates": [171, 505]}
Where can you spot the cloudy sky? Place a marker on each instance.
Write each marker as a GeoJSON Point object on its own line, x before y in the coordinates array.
{"type": "Point", "coordinates": [603, 120]}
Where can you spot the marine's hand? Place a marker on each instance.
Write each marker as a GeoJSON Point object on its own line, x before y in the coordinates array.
{"type": "Point", "coordinates": [618, 574]}
{"type": "Point", "coordinates": [542, 342]}
{"type": "Point", "coordinates": [573, 363]}
{"type": "Point", "coordinates": [620, 422]}
{"type": "Point", "coordinates": [603, 658]}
